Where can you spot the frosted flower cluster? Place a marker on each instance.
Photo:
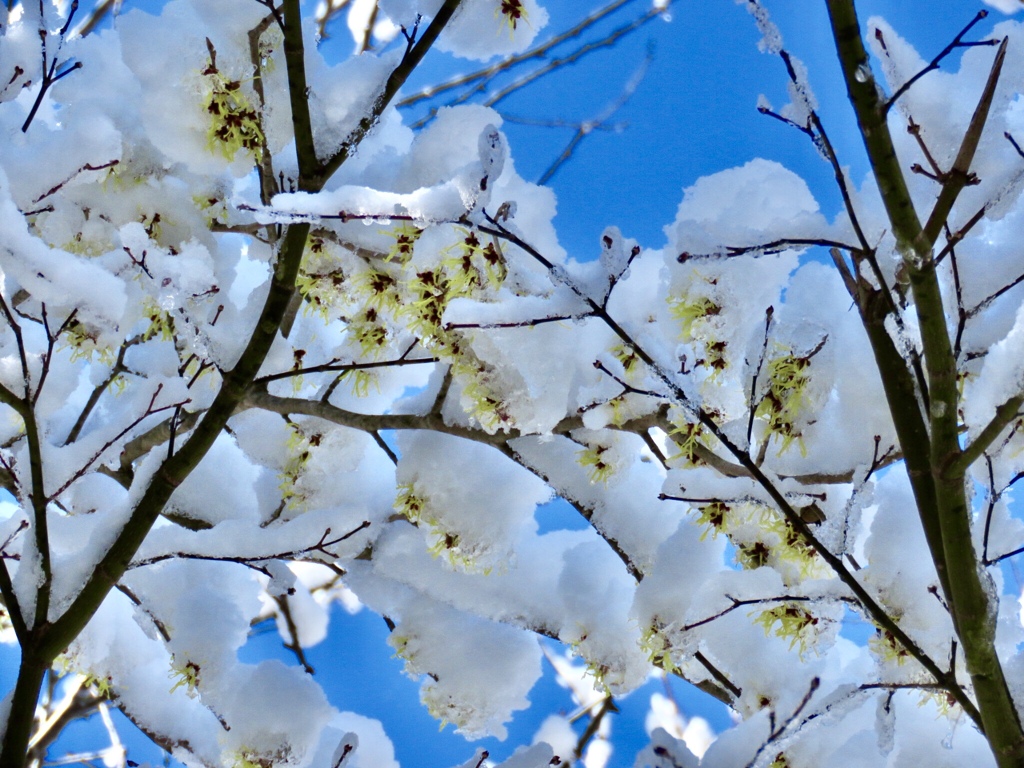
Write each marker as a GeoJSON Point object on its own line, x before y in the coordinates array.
{"type": "Point", "coordinates": [376, 335]}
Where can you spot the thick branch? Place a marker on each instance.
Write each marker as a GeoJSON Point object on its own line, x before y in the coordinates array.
{"type": "Point", "coordinates": [298, 94]}
{"type": "Point", "coordinates": [37, 496]}
{"type": "Point", "coordinates": [11, 603]}
{"type": "Point", "coordinates": [48, 639]}
{"type": "Point", "coordinates": [174, 471]}
{"type": "Point", "coordinates": [969, 601]}
{"type": "Point", "coordinates": [369, 423]}
{"type": "Point", "coordinates": [22, 709]}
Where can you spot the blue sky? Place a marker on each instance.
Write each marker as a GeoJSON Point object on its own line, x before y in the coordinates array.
{"type": "Point", "coordinates": [693, 114]}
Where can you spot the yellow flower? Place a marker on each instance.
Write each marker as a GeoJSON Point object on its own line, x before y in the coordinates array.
{"type": "Point", "coordinates": [791, 621]}
{"type": "Point", "coordinates": [405, 236]}
{"type": "Point", "coordinates": [787, 391]}
{"type": "Point", "coordinates": [234, 124]}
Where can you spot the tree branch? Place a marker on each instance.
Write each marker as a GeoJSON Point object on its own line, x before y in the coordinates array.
{"type": "Point", "coordinates": [794, 519]}
{"type": "Point", "coordinates": [236, 382]}
{"type": "Point", "coordinates": [934, 63]}
{"type": "Point", "coordinates": [1004, 416]}
{"type": "Point", "coordinates": [396, 80]}
{"type": "Point", "coordinates": [21, 630]}
{"type": "Point", "coordinates": [537, 52]}
{"type": "Point", "coordinates": [960, 176]}
{"type": "Point", "coordinates": [947, 508]}
{"type": "Point", "coordinates": [341, 367]}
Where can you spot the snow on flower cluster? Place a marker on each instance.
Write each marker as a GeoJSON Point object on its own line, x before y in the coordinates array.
{"type": "Point", "coordinates": [711, 407]}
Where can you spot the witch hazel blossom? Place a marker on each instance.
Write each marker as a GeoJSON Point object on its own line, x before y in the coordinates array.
{"type": "Point", "coordinates": [224, 256]}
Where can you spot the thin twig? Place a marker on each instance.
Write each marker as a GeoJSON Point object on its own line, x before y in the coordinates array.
{"type": "Point", "coordinates": [770, 248]}
{"type": "Point", "coordinates": [115, 370]}
{"type": "Point", "coordinates": [53, 71]}
{"type": "Point", "coordinates": [934, 63]}
{"type": "Point", "coordinates": [150, 411]}
{"type": "Point", "coordinates": [607, 705]}
{"type": "Point", "coordinates": [320, 546]}
{"type": "Point", "coordinates": [293, 644]}
{"type": "Point", "coordinates": [716, 673]}
{"type": "Point", "coordinates": [96, 16]}
{"type": "Point", "coordinates": [781, 729]}
{"type": "Point", "coordinates": [587, 127]}
{"type": "Point", "coordinates": [336, 366]}
{"type": "Point", "coordinates": [757, 372]}
{"type": "Point", "coordinates": [537, 52]}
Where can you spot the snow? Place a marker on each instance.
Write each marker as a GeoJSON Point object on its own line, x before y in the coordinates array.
{"type": "Point", "coordinates": [756, 203]}
{"type": "Point", "coordinates": [1006, 6]}
{"type": "Point", "coordinates": [447, 369]}
{"type": "Point", "coordinates": [478, 32]}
